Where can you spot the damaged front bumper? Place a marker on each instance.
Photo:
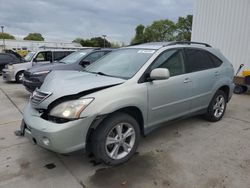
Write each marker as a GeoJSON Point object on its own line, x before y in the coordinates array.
{"type": "Point", "coordinates": [58, 137]}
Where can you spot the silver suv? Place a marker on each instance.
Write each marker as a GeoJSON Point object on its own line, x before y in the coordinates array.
{"type": "Point", "coordinates": [126, 94]}
{"type": "Point", "coordinates": [14, 71]}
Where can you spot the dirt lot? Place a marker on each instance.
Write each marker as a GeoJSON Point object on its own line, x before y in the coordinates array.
{"type": "Point", "coordinates": [190, 153]}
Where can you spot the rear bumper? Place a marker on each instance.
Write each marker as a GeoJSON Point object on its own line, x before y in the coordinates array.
{"type": "Point", "coordinates": [8, 75]}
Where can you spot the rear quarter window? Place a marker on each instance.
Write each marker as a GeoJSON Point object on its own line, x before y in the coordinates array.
{"type": "Point", "coordinates": [217, 62]}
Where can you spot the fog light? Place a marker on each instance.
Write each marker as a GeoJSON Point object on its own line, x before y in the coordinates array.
{"type": "Point", "coordinates": [46, 141]}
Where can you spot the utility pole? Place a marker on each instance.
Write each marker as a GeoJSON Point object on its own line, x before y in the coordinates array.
{"type": "Point", "coordinates": [3, 37]}
{"type": "Point", "coordinates": [104, 36]}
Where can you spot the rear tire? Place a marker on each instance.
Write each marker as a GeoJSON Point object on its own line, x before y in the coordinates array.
{"type": "Point", "coordinates": [217, 107]}
{"type": "Point", "coordinates": [239, 89]}
{"type": "Point", "coordinates": [116, 139]}
{"type": "Point", "coordinates": [19, 77]}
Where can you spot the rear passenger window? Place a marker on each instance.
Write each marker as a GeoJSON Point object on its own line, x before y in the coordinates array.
{"type": "Point", "coordinates": [58, 55]}
{"type": "Point", "coordinates": [172, 60]}
{"type": "Point", "coordinates": [198, 60]}
{"type": "Point", "coordinates": [94, 56]}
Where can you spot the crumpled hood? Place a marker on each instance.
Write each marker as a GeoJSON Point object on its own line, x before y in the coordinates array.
{"type": "Point", "coordinates": [63, 83]}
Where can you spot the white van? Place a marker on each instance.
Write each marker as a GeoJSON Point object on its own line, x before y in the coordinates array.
{"type": "Point", "coordinates": [14, 72]}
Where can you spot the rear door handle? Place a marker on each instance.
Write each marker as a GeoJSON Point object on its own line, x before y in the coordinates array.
{"type": "Point", "coordinates": [187, 80]}
{"type": "Point", "coordinates": [216, 73]}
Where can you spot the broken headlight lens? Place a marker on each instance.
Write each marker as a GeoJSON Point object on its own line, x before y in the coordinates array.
{"type": "Point", "coordinates": [70, 109]}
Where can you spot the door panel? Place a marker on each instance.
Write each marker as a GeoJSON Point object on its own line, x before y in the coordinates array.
{"type": "Point", "coordinates": [168, 99]}
{"type": "Point", "coordinates": [171, 98]}
{"type": "Point", "coordinates": [202, 85]}
{"type": "Point", "coordinates": [203, 74]}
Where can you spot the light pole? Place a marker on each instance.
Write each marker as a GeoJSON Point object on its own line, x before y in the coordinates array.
{"type": "Point", "coordinates": [3, 37]}
{"type": "Point", "coordinates": [104, 36]}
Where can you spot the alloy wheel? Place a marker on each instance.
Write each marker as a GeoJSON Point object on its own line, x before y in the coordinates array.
{"type": "Point", "coordinates": [219, 106]}
{"type": "Point", "coordinates": [120, 141]}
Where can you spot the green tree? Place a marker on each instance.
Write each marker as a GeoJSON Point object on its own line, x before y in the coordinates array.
{"type": "Point", "coordinates": [77, 40]}
{"type": "Point", "coordinates": [93, 42]}
{"type": "Point", "coordinates": [184, 28]}
{"type": "Point", "coordinates": [6, 36]}
{"type": "Point", "coordinates": [139, 35]}
{"type": "Point", "coordinates": [115, 45]}
{"type": "Point", "coordinates": [34, 36]}
{"type": "Point", "coordinates": [161, 30]}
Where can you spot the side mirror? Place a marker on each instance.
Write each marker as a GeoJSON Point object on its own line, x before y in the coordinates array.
{"type": "Point", "coordinates": [159, 74]}
{"type": "Point", "coordinates": [84, 63]}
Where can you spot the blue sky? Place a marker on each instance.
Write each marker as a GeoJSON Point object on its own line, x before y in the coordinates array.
{"type": "Point", "coordinates": [64, 20]}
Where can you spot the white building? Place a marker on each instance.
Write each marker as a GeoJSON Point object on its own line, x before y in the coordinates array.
{"type": "Point", "coordinates": [225, 24]}
{"type": "Point", "coordinates": [36, 45]}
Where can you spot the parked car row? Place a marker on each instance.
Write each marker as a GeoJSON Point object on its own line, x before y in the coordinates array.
{"type": "Point", "coordinates": [78, 60]}
{"type": "Point", "coordinates": [107, 106]}
{"type": "Point", "coordinates": [14, 71]}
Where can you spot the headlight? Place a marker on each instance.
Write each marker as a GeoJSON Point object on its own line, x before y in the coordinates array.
{"type": "Point", "coordinates": [41, 72]}
{"type": "Point", "coordinates": [70, 109]}
{"type": "Point", "coordinates": [10, 67]}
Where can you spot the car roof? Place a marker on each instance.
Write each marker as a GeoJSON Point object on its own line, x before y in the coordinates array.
{"type": "Point", "coordinates": [150, 45]}
{"type": "Point", "coordinates": [55, 50]}
{"type": "Point", "coordinates": [158, 45]}
{"type": "Point", "coordinates": [103, 49]}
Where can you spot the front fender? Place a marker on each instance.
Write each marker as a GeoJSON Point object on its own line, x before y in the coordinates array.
{"type": "Point", "coordinates": [112, 99]}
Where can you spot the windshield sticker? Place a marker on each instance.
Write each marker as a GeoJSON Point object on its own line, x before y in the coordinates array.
{"type": "Point", "coordinates": [146, 51]}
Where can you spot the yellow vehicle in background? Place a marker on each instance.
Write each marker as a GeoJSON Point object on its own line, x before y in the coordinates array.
{"type": "Point", "coordinates": [23, 51]}
{"type": "Point", "coordinates": [242, 82]}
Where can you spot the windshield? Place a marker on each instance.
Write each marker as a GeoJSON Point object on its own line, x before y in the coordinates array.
{"type": "Point", "coordinates": [29, 56]}
{"type": "Point", "coordinates": [74, 57]}
{"type": "Point", "coordinates": [123, 63]}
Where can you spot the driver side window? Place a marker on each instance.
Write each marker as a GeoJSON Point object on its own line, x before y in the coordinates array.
{"type": "Point", "coordinates": [43, 56]}
{"type": "Point", "coordinates": [40, 56]}
{"type": "Point", "coordinates": [172, 60]}
{"type": "Point", "coordinates": [94, 56]}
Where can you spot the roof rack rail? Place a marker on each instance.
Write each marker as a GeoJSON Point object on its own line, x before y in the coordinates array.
{"type": "Point", "coordinates": [188, 42]}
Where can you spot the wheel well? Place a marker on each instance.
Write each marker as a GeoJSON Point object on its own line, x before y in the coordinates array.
{"type": "Point", "coordinates": [135, 113]}
{"type": "Point", "coordinates": [226, 90]}
{"type": "Point", "coordinates": [132, 111]}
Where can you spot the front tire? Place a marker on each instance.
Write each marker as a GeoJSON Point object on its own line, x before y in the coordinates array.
{"type": "Point", "coordinates": [19, 77]}
{"type": "Point", "coordinates": [217, 107]}
{"type": "Point", "coordinates": [116, 139]}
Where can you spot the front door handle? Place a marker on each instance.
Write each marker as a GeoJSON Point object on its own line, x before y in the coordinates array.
{"type": "Point", "coordinates": [187, 80]}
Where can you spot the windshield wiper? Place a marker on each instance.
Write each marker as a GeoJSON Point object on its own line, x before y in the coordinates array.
{"type": "Point", "coordinates": [100, 73]}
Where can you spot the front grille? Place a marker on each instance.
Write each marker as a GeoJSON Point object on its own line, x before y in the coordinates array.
{"type": "Point", "coordinates": [39, 96]}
